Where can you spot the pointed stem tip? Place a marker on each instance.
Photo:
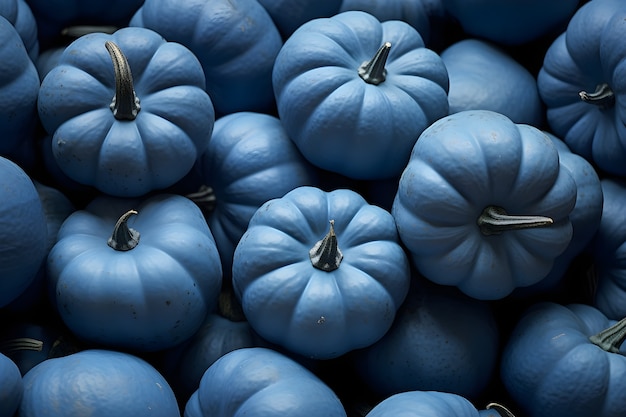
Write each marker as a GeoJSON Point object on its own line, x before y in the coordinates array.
{"type": "Point", "coordinates": [325, 254]}
{"type": "Point", "coordinates": [495, 220]}
{"type": "Point", "coordinates": [125, 104]}
{"type": "Point", "coordinates": [123, 237]}
{"type": "Point", "coordinates": [373, 71]}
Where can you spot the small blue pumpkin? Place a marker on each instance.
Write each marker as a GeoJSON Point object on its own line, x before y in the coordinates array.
{"type": "Point", "coordinates": [424, 404]}
{"type": "Point", "coordinates": [127, 111]}
{"type": "Point", "coordinates": [11, 387]}
{"type": "Point", "coordinates": [355, 93]}
{"type": "Point", "coordinates": [133, 274]}
{"type": "Point", "coordinates": [320, 273]}
{"type": "Point", "coordinates": [260, 382]}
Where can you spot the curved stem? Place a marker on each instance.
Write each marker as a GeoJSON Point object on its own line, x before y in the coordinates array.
{"type": "Point", "coordinates": [125, 104]}
{"type": "Point", "coordinates": [374, 72]}
{"type": "Point", "coordinates": [611, 339]}
{"type": "Point", "coordinates": [124, 238]}
{"type": "Point", "coordinates": [502, 410]}
{"type": "Point", "coordinates": [21, 343]}
{"type": "Point", "coordinates": [325, 255]}
{"type": "Point", "coordinates": [603, 96]}
{"type": "Point", "coordinates": [495, 220]}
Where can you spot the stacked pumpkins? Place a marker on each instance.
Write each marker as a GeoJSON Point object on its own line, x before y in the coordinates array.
{"type": "Point", "coordinates": [339, 208]}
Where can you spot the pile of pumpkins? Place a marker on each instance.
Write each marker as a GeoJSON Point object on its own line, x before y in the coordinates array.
{"type": "Point", "coordinates": [350, 208]}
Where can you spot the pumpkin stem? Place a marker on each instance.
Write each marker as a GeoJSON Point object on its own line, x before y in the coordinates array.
{"type": "Point", "coordinates": [125, 104]}
{"type": "Point", "coordinates": [204, 198]}
{"type": "Point", "coordinates": [502, 410]}
{"type": "Point", "coordinates": [494, 220]}
{"type": "Point", "coordinates": [124, 238]}
{"type": "Point", "coordinates": [611, 339]}
{"type": "Point", "coordinates": [21, 343]}
{"type": "Point", "coordinates": [602, 97]}
{"type": "Point", "coordinates": [325, 255]}
{"type": "Point", "coordinates": [374, 72]}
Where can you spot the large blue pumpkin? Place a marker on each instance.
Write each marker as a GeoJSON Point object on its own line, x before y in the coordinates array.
{"type": "Point", "coordinates": [470, 177]}
{"type": "Point", "coordinates": [138, 275]}
{"type": "Point", "coordinates": [354, 93]}
{"type": "Point", "coordinates": [127, 111]}
{"type": "Point", "coordinates": [98, 383]}
{"type": "Point", "coordinates": [320, 273]}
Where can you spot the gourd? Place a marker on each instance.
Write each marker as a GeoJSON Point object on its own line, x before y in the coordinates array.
{"type": "Point", "coordinates": [260, 382]}
{"type": "Point", "coordinates": [469, 176]}
{"type": "Point", "coordinates": [582, 82]}
{"type": "Point", "coordinates": [11, 387]}
{"type": "Point", "coordinates": [565, 360]}
{"type": "Point", "coordinates": [20, 15]}
{"type": "Point", "coordinates": [320, 273]}
{"type": "Point", "coordinates": [289, 16]}
{"type": "Point", "coordinates": [135, 274]}
{"type": "Point", "coordinates": [236, 41]}
{"type": "Point", "coordinates": [99, 382]}
{"type": "Point", "coordinates": [23, 229]}
{"type": "Point", "coordinates": [127, 111]}
{"type": "Point", "coordinates": [354, 93]}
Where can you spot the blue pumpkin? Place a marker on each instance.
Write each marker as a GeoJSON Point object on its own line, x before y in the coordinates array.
{"type": "Point", "coordinates": [23, 229]}
{"type": "Point", "coordinates": [20, 15]}
{"type": "Point", "coordinates": [484, 76]}
{"type": "Point", "coordinates": [249, 160]}
{"type": "Point", "coordinates": [484, 204]}
{"type": "Point", "coordinates": [424, 404]}
{"type": "Point", "coordinates": [441, 340]}
{"type": "Point", "coordinates": [320, 273]}
{"type": "Point", "coordinates": [132, 274]}
{"type": "Point", "coordinates": [289, 15]}
{"type": "Point", "coordinates": [127, 111]}
{"type": "Point", "coordinates": [236, 42]}
{"type": "Point", "coordinates": [19, 88]}
{"type": "Point", "coordinates": [354, 93]}
{"type": "Point", "coordinates": [582, 84]}
{"type": "Point", "coordinates": [11, 387]}
{"type": "Point", "coordinates": [566, 360]}
{"type": "Point", "coordinates": [260, 382]}
{"type": "Point", "coordinates": [102, 383]}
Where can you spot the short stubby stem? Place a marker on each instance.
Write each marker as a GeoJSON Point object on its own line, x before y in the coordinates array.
{"type": "Point", "coordinates": [611, 339]}
{"type": "Point", "coordinates": [373, 71]}
{"type": "Point", "coordinates": [125, 104]}
{"type": "Point", "coordinates": [325, 254]}
{"type": "Point", "coordinates": [602, 97]}
{"type": "Point", "coordinates": [495, 220]}
{"type": "Point", "coordinates": [123, 237]}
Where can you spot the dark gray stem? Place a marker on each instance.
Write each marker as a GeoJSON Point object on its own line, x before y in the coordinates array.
{"type": "Point", "coordinates": [325, 255]}
{"type": "Point", "coordinates": [603, 96]}
{"type": "Point", "coordinates": [21, 343]}
{"type": "Point", "coordinates": [125, 104]}
{"type": "Point", "coordinates": [611, 339]}
{"type": "Point", "coordinates": [124, 238]}
{"type": "Point", "coordinates": [495, 220]}
{"type": "Point", "coordinates": [502, 410]}
{"type": "Point", "coordinates": [373, 71]}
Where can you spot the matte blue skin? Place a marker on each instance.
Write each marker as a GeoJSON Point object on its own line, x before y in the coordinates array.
{"type": "Point", "coordinates": [423, 15]}
{"type": "Point", "coordinates": [588, 53]}
{"type": "Point", "coordinates": [289, 15]}
{"type": "Point", "coordinates": [550, 368]}
{"type": "Point", "coordinates": [511, 22]}
{"type": "Point", "coordinates": [260, 382]}
{"type": "Point", "coordinates": [149, 298]}
{"type": "Point", "coordinates": [19, 87]}
{"type": "Point", "coordinates": [11, 387]}
{"type": "Point", "coordinates": [122, 157]}
{"type": "Point", "coordinates": [97, 382]}
{"type": "Point", "coordinates": [484, 76]}
{"type": "Point", "coordinates": [607, 249]}
{"type": "Point", "coordinates": [23, 228]}
{"type": "Point", "coordinates": [464, 163]}
{"type": "Point", "coordinates": [235, 40]}
{"type": "Point", "coordinates": [343, 124]}
{"type": "Point", "coordinates": [19, 14]}
{"type": "Point", "coordinates": [585, 217]}
{"type": "Point", "coordinates": [306, 310]}
{"type": "Point", "coordinates": [424, 404]}
{"type": "Point", "coordinates": [441, 340]}
{"type": "Point", "coordinates": [249, 160]}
